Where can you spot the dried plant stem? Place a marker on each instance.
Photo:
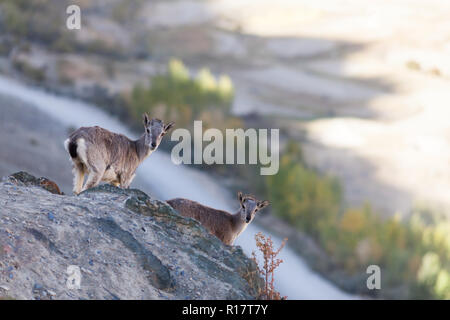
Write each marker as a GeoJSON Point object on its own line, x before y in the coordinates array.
{"type": "Point", "coordinates": [270, 263]}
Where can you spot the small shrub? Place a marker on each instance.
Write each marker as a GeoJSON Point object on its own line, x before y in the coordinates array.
{"type": "Point", "coordinates": [13, 19]}
{"type": "Point", "coordinates": [413, 65]}
{"type": "Point", "coordinates": [265, 245]}
{"type": "Point", "coordinates": [33, 73]}
{"type": "Point", "coordinates": [301, 196]}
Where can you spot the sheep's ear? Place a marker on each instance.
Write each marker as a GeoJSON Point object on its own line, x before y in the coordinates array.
{"type": "Point", "coordinates": [145, 119]}
{"type": "Point", "coordinates": [168, 126]}
{"type": "Point", "coordinates": [240, 196]}
{"type": "Point", "coordinates": [263, 204]}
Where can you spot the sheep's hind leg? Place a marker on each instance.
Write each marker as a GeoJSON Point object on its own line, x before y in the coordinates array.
{"type": "Point", "coordinates": [78, 177]}
{"type": "Point", "coordinates": [115, 183]}
{"type": "Point", "coordinates": [94, 178]}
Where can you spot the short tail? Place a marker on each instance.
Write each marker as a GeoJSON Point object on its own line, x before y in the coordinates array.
{"type": "Point", "coordinates": [71, 147]}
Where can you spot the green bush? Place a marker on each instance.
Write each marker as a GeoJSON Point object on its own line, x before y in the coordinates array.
{"type": "Point", "coordinates": [13, 19]}
{"type": "Point", "coordinates": [39, 20]}
{"type": "Point", "coordinates": [301, 196]}
{"type": "Point", "coordinates": [33, 73]}
{"type": "Point", "coordinates": [178, 96]}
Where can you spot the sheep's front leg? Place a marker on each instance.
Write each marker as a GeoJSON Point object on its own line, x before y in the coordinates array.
{"type": "Point", "coordinates": [126, 184]}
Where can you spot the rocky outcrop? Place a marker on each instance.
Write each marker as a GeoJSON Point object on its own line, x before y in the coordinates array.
{"type": "Point", "coordinates": [123, 244]}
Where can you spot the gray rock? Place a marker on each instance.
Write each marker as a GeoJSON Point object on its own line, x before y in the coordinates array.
{"type": "Point", "coordinates": [125, 244]}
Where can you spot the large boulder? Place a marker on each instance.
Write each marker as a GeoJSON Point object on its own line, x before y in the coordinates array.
{"type": "Point", "coordinates": [123, 244]}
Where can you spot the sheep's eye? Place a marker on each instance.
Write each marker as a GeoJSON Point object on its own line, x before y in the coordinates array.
{"type": "Point", "coordinates": [148, 130]}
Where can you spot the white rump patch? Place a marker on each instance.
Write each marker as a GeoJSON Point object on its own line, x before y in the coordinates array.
{"type": "Point", "coordinates": [82, 150]}
{"type": "Point", "coordinates": [66, 144]}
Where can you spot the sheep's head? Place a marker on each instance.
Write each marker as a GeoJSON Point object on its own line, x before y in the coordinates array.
{"type": "Point", "coordinates": [155, 130]}
{"type": "Point", "coordinates": [250, 206]}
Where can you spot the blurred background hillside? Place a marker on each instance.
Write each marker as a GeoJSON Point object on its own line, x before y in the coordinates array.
{"type": "Point", "coordinates": [359, 90]}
